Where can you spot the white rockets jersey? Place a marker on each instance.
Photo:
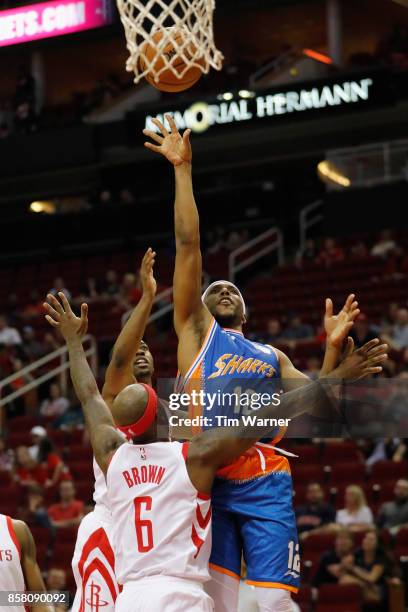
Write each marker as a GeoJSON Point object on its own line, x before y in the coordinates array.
{"type": "Point", "coordinates": [161, 525]}
{"type": "Point", "coordinates": [11, 574]}
{"type": "Point", "coordinates": [100, 494]}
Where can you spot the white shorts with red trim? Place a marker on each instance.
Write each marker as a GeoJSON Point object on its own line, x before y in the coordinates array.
{"type": "Point", "coordinates": [93, 564]}
{"type": "Point", "coordinates": [164, 594]}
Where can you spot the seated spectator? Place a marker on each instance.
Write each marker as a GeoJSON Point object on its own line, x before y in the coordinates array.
{"type": "Point", "coordinates": [384, 245]}
{"type": "Point", "coordinates": [110, 287]}
{"type": "Point", "coordinates": [394, 514]}
{"type": "Point", "coordinates": [9, 336]}
{"type": "Point", "coordinates": [313, 367]}
{"type": "Point", "coordinates": [34, 308]}
{"type": "Point", "coordinates": [390, 319]}
{"type": "Point", "coordinates": [359, 250]}
{"type": "Point", "coordinates": [59, 285]}
{"type": "Point", "coordinates": [356, 515]}
{"type": "Point", "coordinates": [362, 332]}
{"type": "Point", "coordinates": [330, 253]}
{"type": "Point", "coordinates": [37, 433]}
{"type": "Point", "coordinates": [69, 511]}
{"type": "Point", "coordinates": [126, 197]}
{"type": "Point", "coordinates": [50, 342]}
{"type": "Point", "coordinates": [308, 254]}
{"type": "Point", "coordinates": [56, 582]}
{"type": "Point", "coordinates": [33, 348]}
{"type": "Point", "coordinates": [27, 470]}
{"type": "Point", "coordinates": [298, 331]}
{"type": "Point", "coordinates": [130, 289]}
{"type": "Point", "coordinates": [6, 457]}
{"type": "Point", "coordinates": [398, 336]}
{"type": "Point", "coordinates": [36, 510]}
{"type": "Point", "coordinates": [315, 515]}
{"type": "Point", "coordinates": [331, 564]}
{"type": "Point", "coordinates": [89, 291]}
{"type": "Point", "coordinates": [367, 568]}
{"type": "Point", "coordinates": [56, 468]}
{"type": "Point", "coordinates": [56, 404]}
{"type": "Point", "coordinates": [274, 331]}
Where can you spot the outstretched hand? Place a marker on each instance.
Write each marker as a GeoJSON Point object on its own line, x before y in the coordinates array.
{"type": "Point", "coordinates": [338, 326]}
{"type": "Point", "coordinates": [148, 281]}
{"type": "Point", "coordinates": [173, 146]}
{"type": "Point", "coordinates": [61, 316]}
{"type": "Point", "coordinates": [362, 362]}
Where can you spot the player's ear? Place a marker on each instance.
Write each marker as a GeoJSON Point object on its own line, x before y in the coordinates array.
{"type": "Point", "coordinates": [244, 320]}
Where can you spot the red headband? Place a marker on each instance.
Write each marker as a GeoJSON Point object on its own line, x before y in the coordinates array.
{"type": "Point", "coordinates": [141, 425]}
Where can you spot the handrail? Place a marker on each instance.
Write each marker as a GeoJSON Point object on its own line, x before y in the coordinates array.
{"type": "Point", "coordinates": [62, 353]}
{"type": "Point", "coordinates": [274, 245]}
{"type": "Point", "coordinates": [305, 223]}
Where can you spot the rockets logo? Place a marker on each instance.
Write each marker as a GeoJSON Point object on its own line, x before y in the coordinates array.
{"type": "Point", "coordinates": [95, 602]}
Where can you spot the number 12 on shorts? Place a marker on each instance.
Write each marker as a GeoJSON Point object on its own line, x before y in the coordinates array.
{"type": "Point", "coordinates": [144, 527]}
{"type": "Point", "coordinates": [293, 558]}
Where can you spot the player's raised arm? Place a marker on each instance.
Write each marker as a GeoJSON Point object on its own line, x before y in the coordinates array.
{"type": "Point", "coordinates": [104, 437]}
{"type": "Point", "coordinates": [220, 446]}
{"type": "Point", "coordinates": [32, 573]}
{"type": "Point", "coordinates": [188, 308]}
{"type": "Point", "coordinates": [120, 371]}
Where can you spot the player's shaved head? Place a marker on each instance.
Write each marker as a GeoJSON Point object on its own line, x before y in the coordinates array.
{"type": "Point", "coordinates": [129, 405]}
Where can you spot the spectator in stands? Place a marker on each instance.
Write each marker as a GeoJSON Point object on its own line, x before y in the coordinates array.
{"type": "Point", "coordinates": [398, 337]}
{"type": "Point", "coordinates": [36, 510]}
{"type": "Point", "coordinates": [308, 254]}
{"type": "Point", "coordinates": [56, 468]}
{"type": "Point", "coordinates": [356, 515]}
{"type": "Point", "coordinates": [27, 470]}
{"type": "Point", "coordinates": [394, 514]}
{"type": "Point", "coordinates": [315, 515]}
{"type": "Point", "coordinates": [34, 308]}
{"type": "Point", "coordinates": [37, 433]}
{"type": "Point", "coordinates": [111, 286]}
{"type": "Point", "coordinates": [17, 406]}
{"type": "Point", "coordinates": [59, 285]}
{"type": "Point", "coordinates": [274, 331]}
{"type": "Point", "coordinates": [362, 332]}
{"type": "Point", "coordinates": [69, 511]}
{"type": "Point", "coordinates": [56, 404]}
{"type": "Point", "coordinates": [367, 568]}
{"type": "Point", "coordinates": [384, 245]}
{"type": "Point", "coordinates": [331, 565]}
{"type": "Point", "coordinates": [6, 457]}
{"type": "Point", "coordinates": [9, 336]}
{"type": "Point", "coordinates": [130, 289]}
{"type": "Point", "coordinates": [390, 319]}
{"type": "Point", "coordinates": [215, 239]}
{"type": "Point", "coordinates": [313, 366]}
{"type": "Point", "coordinates": [359, 250]}
{"type": "Point", "coordinates": [57, 583]}
{"type": "Point", "coordinates": [33, 348]}
{"type": "Point", "coordinates": [88, 292]}
{"type": "Point", "coordinates": [50, 343]}
{"type": "Point", "coordinates": [297, 331]}
{"type": "Point", "coordinates": [330, 253]}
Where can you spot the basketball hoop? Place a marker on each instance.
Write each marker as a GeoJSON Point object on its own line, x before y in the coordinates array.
{"type": "Point", "coordinates": [186, 25]}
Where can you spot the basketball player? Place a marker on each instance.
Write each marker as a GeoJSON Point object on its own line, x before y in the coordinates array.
{"type": "Point", "coordinates": [252, 499]}
{"type": "Point", "coordinates": [93, 563]}
{"type": "Point", "coordinates": [19, 570]}
{"type": "Point", "coordinates": [159, 492]}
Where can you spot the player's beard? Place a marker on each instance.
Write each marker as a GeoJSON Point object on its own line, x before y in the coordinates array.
{"type": "Point", "coordinates": [228, 320]}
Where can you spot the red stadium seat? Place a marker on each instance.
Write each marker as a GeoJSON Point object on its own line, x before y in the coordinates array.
{"type": "Point", "coordinates": [384, 470]}
{"type": "Point", "coordinates": [79, 452]}
{"type": "Point", "coordinates": [5, 478]}
{"type": "Point", "coordinates": [304, 598]}
{"type": "Point", "coordinates": [317, 544]}
{"type": "Point", "coordinates": [303, 474]}
{"type": "Point", "coordinates": [67, 535]}
{"type": "Point", "coordinates": [41, 535]}
{"type": "Point", "coordinates": [334, 452]}
{"type": "Point", "coordinates": [342, 473]}
{"type": "Point", "coordinates": [81, 470]}
{"type": "Point", "coordinates": [339, 598]}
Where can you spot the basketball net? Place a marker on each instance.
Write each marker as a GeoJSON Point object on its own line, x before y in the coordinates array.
{"type": "Point", "coordinates": [185, 24]}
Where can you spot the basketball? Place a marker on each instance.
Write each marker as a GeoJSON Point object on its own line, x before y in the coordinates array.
{"type": "Point", "coordinates": [167, 79]}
